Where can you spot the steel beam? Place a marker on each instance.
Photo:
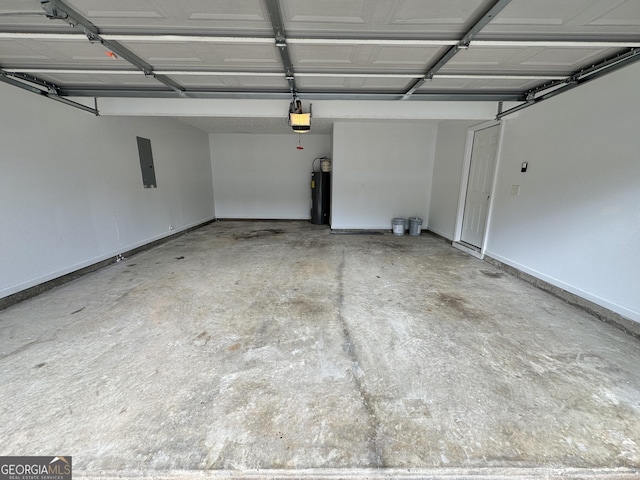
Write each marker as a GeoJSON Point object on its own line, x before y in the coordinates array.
{"type": "Point", "coordinates": [74, 18]}
{"type": "Point", "coordinates": [51, 92]}
{"type": "Point", "coordinates": [496, 7]}
{"type": "Point", "coordinates": [281, 42]}
{"type": "Point", "coordinates": [605, 67]}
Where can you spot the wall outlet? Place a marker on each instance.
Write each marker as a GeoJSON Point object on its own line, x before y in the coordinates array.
{"type": "Point", "coordinates": [515, 190]}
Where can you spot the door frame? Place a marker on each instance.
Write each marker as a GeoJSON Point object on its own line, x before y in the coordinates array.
{"type": "Point", "coordinates": [464, 183]}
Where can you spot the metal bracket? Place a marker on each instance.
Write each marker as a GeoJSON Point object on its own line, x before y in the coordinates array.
{"type": "Point", "coordinates": [281, 43]}
{"type": "Point", "coordinates": [92, 37]}
{"type": "Point", "coordinates": [52, 12]}
{"type": "Point", "coordinates": [67, 13]}
{"type": "Point", "coordinates": [463, 44]}
{"type": "Point", "coordinates": [45, 89]}
{"type": "Point", "coordinates": [618, 61]}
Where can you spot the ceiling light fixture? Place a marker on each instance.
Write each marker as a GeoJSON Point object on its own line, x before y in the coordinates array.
{"type": "Point", "coordinates": [300, 122]}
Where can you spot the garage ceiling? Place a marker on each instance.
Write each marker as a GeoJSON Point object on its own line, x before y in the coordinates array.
{"type": "Point", "coordinates": [498, 50]}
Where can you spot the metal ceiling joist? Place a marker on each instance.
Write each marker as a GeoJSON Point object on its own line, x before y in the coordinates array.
{"type": "Point", "coordinates": [281, 42]}
{"type": "Point", "coordinates": [496, 7]}
{"type": "Point", "coordinates": [605, 67]}
{"type": "Point", "coordinates": [52, 91]}
{"type": "Point", "coordinates": [57, 9]}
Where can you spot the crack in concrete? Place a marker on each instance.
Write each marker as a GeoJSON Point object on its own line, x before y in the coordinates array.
{"type": "Point", "coordinates": [375, 449]}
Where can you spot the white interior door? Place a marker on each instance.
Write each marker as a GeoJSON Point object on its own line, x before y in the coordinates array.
{"type": "Point", "coordinates": [476, 205]}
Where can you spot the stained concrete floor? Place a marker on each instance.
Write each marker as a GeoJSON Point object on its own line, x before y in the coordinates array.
{"type": "Point", "coordinates": [252, 346]}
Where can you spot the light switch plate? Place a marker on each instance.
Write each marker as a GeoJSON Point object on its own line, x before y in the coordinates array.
{"type": "Point", "coordinates": [515, 190]}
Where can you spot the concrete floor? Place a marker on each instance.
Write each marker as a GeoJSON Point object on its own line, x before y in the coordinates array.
{"type": "Point", "coordinates": [245, 346]}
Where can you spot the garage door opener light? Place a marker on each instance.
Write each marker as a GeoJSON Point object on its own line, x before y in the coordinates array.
{"type": "Point", "coordinates": [300, 122]}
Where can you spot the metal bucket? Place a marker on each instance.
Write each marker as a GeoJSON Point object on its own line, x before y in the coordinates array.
{"type": "Point", "coordinates": [415, 226]}
{"type": "Point", "coordinates": [398, 225]}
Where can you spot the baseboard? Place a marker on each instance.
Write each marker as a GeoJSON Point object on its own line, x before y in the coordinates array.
{"type": "Point", "coordinates": [440, 234]}
{"type": "Point", "coordinates": [246, 219]}
{"type": "Point", "coordinates": [342, 231]}
{"type": "Point", "coordinates": [384, 227]}
{"type": "Point", "coordinates": [35, 290]}
{"type": "Point", "coordinates": [606, 315]}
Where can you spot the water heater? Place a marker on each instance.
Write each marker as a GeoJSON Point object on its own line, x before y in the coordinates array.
{"type": "Point", "coordinates": [320, 197]}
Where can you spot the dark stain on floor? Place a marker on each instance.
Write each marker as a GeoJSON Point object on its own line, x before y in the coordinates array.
{"type": "Point", "coordinates": [492, 274]}
{"type": "Point", "coordinates": [459, 306]}
{"type": "Point", "coordinates": [453, 301]}
{"type": "Point", "coordinates": [259, 233]}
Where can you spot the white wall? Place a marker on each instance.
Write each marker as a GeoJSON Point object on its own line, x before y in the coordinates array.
{"type": "Point", "coordinates": [576, 222]}
{"type": "Point", "coordinates": [264, 176]}
{"type": "Point", "coordinates": [381, 171]}
{"type": "Point", "coordinates": [447, 173]}
{"type": "Point", "coordinates": [71, 191]}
